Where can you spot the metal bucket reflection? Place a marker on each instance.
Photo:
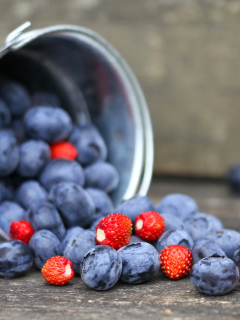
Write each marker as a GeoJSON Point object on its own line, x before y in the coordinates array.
{"type": "Point", "coordinates": [94, 84]}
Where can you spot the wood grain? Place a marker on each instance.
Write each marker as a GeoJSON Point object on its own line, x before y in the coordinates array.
{"type": "Point", "coordinates": [30, 297]}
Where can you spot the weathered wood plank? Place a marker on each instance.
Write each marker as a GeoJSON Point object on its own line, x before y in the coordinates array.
{"type": "Point", "coordinates": [30, 297]}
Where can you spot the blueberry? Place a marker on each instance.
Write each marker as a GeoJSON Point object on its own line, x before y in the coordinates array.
{"type": "Point", "coordinates": [50, 124]}
{"type": "Point", "coordinates": [6, 189]}
{"type": "Point", "coordinates": [134, 206]}
{"type": "Point", "coordinates": [9, 153]}
{"type": "Point", "coordinates": [180, 237]}
{"type": "Point", "coordinates": [45, 245]}
{"type": "Point", "coordinates": [236, 257]}
{"type": "Point", "coordinates": [34, 155]}
{"type": "Point", "coordinates": [5, 115]}
{"type": "Point", "coordinates": [172, 222]}
{"type": "Point", "coordinates": [103, 203]}
{"type": "Point", "coordinates": [215, 275]}
{"type": "Point", "coordinates": [101, 175]}
{"type": "Point", "coordinates": [44, 98]}
{"type": "Point", "coordinates": [44, 215]}
{"type": "Point", "coordinates": [135, 239]}
{"type": "Point", "coordinates": [30, 193]}
{"type": "Point", "coordinates": [9, 212]}
{"type": "Point", "coordinates": [216, 223]}
{"type": "Point", "coordinates": [205, 248]}
{"type": "Point", "coordinates": [61, 170]}
{"type": "Point", "coordinates": [140, 262]}
{"type": "Point", "coordinates": [228, 240]}
{"type": "Point", "coordinates": [202, 225]}
{"type": "Point", "coordinates": [77, 246]}
{"type": "Point", "coordinates": [233, 177]}
{"type": "Point", "coordinates": [101, 268]}
{"type": "Point", "coordinates": [16, 258]}
{"type": "Point", "coordinates": [182, 206]}
{"type": "Point", "coordinates": [74, 204]}
{"type": "Point", "coordinates": [89, 143]}
{"type": "Point", "coordinates": [69, 233]}
{"type": "Point", "coordinates": [16, 97]}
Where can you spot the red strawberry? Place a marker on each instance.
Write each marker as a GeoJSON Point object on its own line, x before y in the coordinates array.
{"type": "Point", "coordinates": [58, 271]}
{"type": "Point", "coordinates": [114, 230]}
{"type": "Point", "coordinates": [63, 150]}
{"type": "Point", "coordinates": [149, 225]}
{"type": "Point", "coordinates": [176, 261]}
{"type": "Point", "coordinates": [21, 230]}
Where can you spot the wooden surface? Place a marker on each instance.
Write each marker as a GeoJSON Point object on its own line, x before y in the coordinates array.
{"type": "Point", "coordinates": [186, 55]}
{"type": "Point", "coordinates": [30, 297]}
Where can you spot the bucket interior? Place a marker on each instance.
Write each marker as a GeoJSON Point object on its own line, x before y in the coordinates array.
{"type": "Point", "coordinates": [90, 88]}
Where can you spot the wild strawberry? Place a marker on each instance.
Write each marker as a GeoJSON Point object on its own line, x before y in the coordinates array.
{"type": "Point", "coordinates": [149, 225]}
{"type": "Point", "coordinates": [21, 230]}
{"type": "Point", "coordinates": [58, 271]}
{"type": "Point", "coordinates": [114, 230]}
{"type": "Point", "coordinates": [176, 261]}
{"type": "Point", "coordinates": [63, 150]}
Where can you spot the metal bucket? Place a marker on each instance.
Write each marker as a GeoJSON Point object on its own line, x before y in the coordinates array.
{"type": "Point", "coordinates": [95, 84]}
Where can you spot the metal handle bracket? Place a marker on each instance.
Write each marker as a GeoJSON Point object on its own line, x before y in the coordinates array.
{"type": "Point", "coordinates": [12, 38]}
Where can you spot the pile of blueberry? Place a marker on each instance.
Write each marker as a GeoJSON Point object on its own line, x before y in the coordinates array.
{"type": "Point", "coordinates": [64, 200]}
{"type": "Point", "coordinates": [54, 195]}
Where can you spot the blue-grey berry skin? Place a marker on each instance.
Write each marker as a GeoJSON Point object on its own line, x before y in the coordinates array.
{"type": "Point", "coordinates": [6, 189]}
{"type": "Point", "coordinates": [45, 245]}
{"type": "Point", "coordinates": [44, 215]}
{"type": "Point", "coordinates": [101, 268]}
{"type": "Point", "coordinates": [101, 175]}
{"type": "Point", "coordinates": [16, 258]}
{"type": "Point", "coordinates": [5, 115]}
{"type": "Point", "coordinates": [205, 248]}
{"type": "Point", "coordinates": [217, 223]}
{"type": "Point", "coordinates": [50, 124]}
{"type": "Point", "coordinates": [34, 155]}
{"type": "Point", "coordinates": [171, 237]}
{"type": "Point", "coordinates": [9, 212]}
{"type": "Point", "coordinates": [95, 222]}
{"type": "Point", "coordinates": [135, 206]}
{"type": "Point", "coordinates": [233, 178]}
{"type": "Point", "coordinates": [172, 222]}
{"type": "Point", "coordinates": [30, 193]}
{"type": "Point", "coordinates": [135, 239]}
{"type": "Point", "coordinates": [103, 203]}
{"type": "Point", "coordinates": [9, 153]}
{"type": "Point", "coordinates": [202, 225]}
{"type": "Point", "coordinates": [181, 205]}
{"type": "Point", "coordinates": [228, 240]}
{"type": "Point", "coordinates": [140, 262]}
{"type": "Point", "coordinates": [77, 246]}
{"type": "Point", "coordinates": [215, 275]}
{"type": "Point", "coordinates": [74, 204]}
{"type": "Point", "coordinates": [16, 97]}
{"type": "Point", "coordinates": [69, 233]}
{"type": "Point", "coordinates": [236, 257]}
{"type": "Point", "coordinates": [89, 143]}
{"type": "Point", "coordinates": [61, 170]}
